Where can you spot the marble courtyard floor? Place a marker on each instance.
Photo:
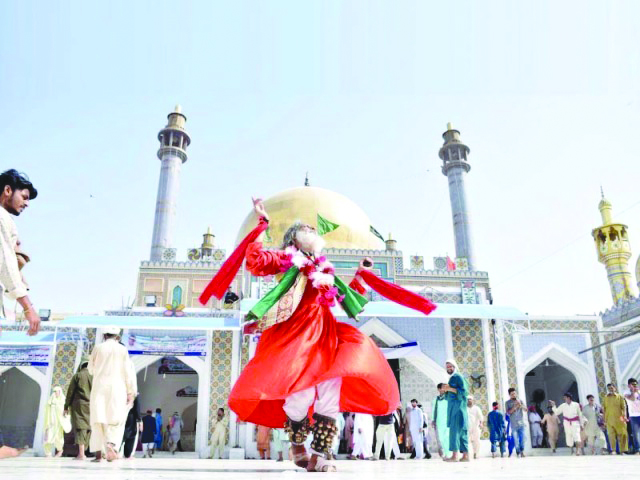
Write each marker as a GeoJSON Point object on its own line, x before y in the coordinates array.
{"type": "Point", "coordinates": [164, 466]}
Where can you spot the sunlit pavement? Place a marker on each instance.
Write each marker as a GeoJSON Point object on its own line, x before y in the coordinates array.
{"type": "Point", "coordinates": [186, 466]}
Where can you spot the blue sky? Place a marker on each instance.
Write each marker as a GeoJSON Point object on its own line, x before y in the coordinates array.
{"type": "Point", "coordinates": [544, 93]}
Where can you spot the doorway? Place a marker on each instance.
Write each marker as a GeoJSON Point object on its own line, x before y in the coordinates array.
{"type": "Point", "coordinates": [18, 418]}
{"type": "Point", "coordinates": [549, 381]}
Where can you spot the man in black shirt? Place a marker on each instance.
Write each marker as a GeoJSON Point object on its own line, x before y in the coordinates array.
{"type": "Point", "coordinates": [230, 298]}
{"type": "Point", "coordinates": [148, 433]}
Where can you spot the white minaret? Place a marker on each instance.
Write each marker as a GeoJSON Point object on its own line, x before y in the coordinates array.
{"type": "Point", "coordinates": [455, 166]}
{"type": "Point", "coordinates": [174, 141]}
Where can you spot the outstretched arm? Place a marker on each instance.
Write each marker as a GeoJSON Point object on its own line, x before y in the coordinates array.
{"type": "Point", "coordinates": [357, 283]}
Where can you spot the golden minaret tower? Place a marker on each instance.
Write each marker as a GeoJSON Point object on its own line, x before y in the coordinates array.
{"type": "Point", "coordinates": [614, 251]}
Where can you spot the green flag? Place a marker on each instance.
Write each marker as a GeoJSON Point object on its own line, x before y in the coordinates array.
{"type": "Point", "coordinates": [376, 232]}
{"type": "Point", "coordinates": [325, 226]}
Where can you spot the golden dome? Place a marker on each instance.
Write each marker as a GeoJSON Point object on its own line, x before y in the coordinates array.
{"type": "Point", "coordinates": [304, 204]}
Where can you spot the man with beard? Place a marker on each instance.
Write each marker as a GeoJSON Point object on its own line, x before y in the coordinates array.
{"type": "Point", "coordinates": [457, 420]}
{"type": "Point", "coordinates": [17, 191]}
{"type": "Point", "coordinates": [309, 359]}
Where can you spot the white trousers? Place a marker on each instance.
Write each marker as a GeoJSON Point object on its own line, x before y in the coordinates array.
{"type": "Point", "coordinates": [218, 442]}
{"type": "Point", "coordinates": [387, 434]}
{"type": "Point", "coordinates": [536, 435]}
{"type": "Point", "coordinates": [148, 446]}
{"type": "Point", "coordinates": [572, 433]}
{"type": "Point", "coordinates": [417, 438]}
{"type": "Point", "coordinates": [474, 439]}
{"type": "Point", "coordinates": [362, 445]}
{"type": "Point", "coordinates": [325, 397]}
{"type": "Point", "coordinates": [102, 433]}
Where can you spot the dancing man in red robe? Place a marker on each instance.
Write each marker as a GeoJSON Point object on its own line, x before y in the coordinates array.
{"type": "Point", "coordinates": [311, 362]}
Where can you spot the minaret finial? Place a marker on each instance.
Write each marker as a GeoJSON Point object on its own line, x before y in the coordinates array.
{"type": "Point", "coordinates": [449, 126]}
{"type": "Point", "coordinates": [306, 179]}
{"type": "Point", "coordinates": [601, 192]}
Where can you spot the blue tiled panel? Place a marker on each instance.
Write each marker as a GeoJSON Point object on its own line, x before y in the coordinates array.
{"type": "Point", "coordinates": [532, 344]}
{"type": "Point", "coordinates": [428, 332]}
{"type": "Point", "coordinates": [625, 352]}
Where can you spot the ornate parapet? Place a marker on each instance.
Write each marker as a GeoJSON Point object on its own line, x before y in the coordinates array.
{"type": "Point", "coordinates": [445, 273]}
{"type": "Point", "coordinates": [186, 265]}
{"type": "Point", "coordinates": [625, 310]}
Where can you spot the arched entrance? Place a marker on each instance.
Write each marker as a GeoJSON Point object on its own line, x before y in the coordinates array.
{"type": "Point", "coordinates": [18, 418]}
{"type": "Point", "coordinates": [170, 384]}
{"type": "Point", "coordinates": [549, 381]}
{"type": "Point", "coordinates": [580, 380]}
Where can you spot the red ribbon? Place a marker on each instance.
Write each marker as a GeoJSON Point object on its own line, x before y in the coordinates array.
{"type": "Point", "coordinates": [396, 293]}
{"type": "Point", "coordinates": [219, 284]}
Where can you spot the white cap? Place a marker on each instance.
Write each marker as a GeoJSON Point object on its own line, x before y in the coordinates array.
{"type": "Point", "coordinates": [111, 330]}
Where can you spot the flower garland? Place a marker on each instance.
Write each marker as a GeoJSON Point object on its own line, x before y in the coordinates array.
{"type": "Point", "coordinates": [320, 271]}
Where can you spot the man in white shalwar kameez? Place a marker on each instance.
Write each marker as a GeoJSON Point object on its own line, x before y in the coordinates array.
{"type": "Point", "coordinates": [363, 435]}
{"type": "Point", "coordinates": [113, 390]}
{"type": "Point", "coordinates": [415, 419]}
{"type": "Point", "coordinates": [476, 422]}
{"type": "Point", "coordinates": [572, 420]}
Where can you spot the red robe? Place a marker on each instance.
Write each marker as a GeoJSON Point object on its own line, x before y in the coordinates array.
{"type": "Point", "coordinates": [309, 348]}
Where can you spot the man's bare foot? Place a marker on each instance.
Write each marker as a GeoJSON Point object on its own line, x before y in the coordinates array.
{"type": "Point", "coordinates": [83, 457]}
{"type": "Point", "coordinates": [300, 455]}
{"type": "Point", "coordinates": [452, 458]}
{"type": "Point", "coordinates": [111, 453]}
{"type": "Point", "coordinates": [320, 464]}
{"type": "Point", "coordinates": [59, 454]}
{"type": "Point", "coordinates": [465, 458]}
{"type": "Point", "coordinates": [10, 452]}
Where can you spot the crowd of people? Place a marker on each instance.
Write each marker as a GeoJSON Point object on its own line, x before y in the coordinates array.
{"type": "Point", "coordinates": [102, 407]}
{"type": "Point", "coordinates": [101, 404]}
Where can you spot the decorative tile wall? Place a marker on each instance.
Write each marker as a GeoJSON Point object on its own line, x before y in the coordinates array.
{"type": "Point", "coordinates": [625, 352]}
{"type": "Point", "coordinates": [64, 363]}
{"type": "Point", "coordinates": [612, 368]}
{"type": "Point", "coordinates": [415, 384]}
{"type": "Point", "coordinates": [468, 348]}
{"type": "Point", "coordinates": [221, 352]}
{"type": "Point", "coordinates": [598, 363]}
{"type": "Point", "coordinates": [532, 344]}
{"type": "Point", "coordinates": [428, 332]}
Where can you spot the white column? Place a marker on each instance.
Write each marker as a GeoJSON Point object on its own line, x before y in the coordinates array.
{"type": "Point", "coordinates": [235, 372]}
{"type": "Point", "coordinates": [460, 214]}
{"type": "Point", "coordinates": [488, 363]}
{"type": "Point", "coordinates": [44, 381]}
{"type": "Point", "coordinates": [166, 205]}
{"type": "Point", "coordinates": [204, 396]}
